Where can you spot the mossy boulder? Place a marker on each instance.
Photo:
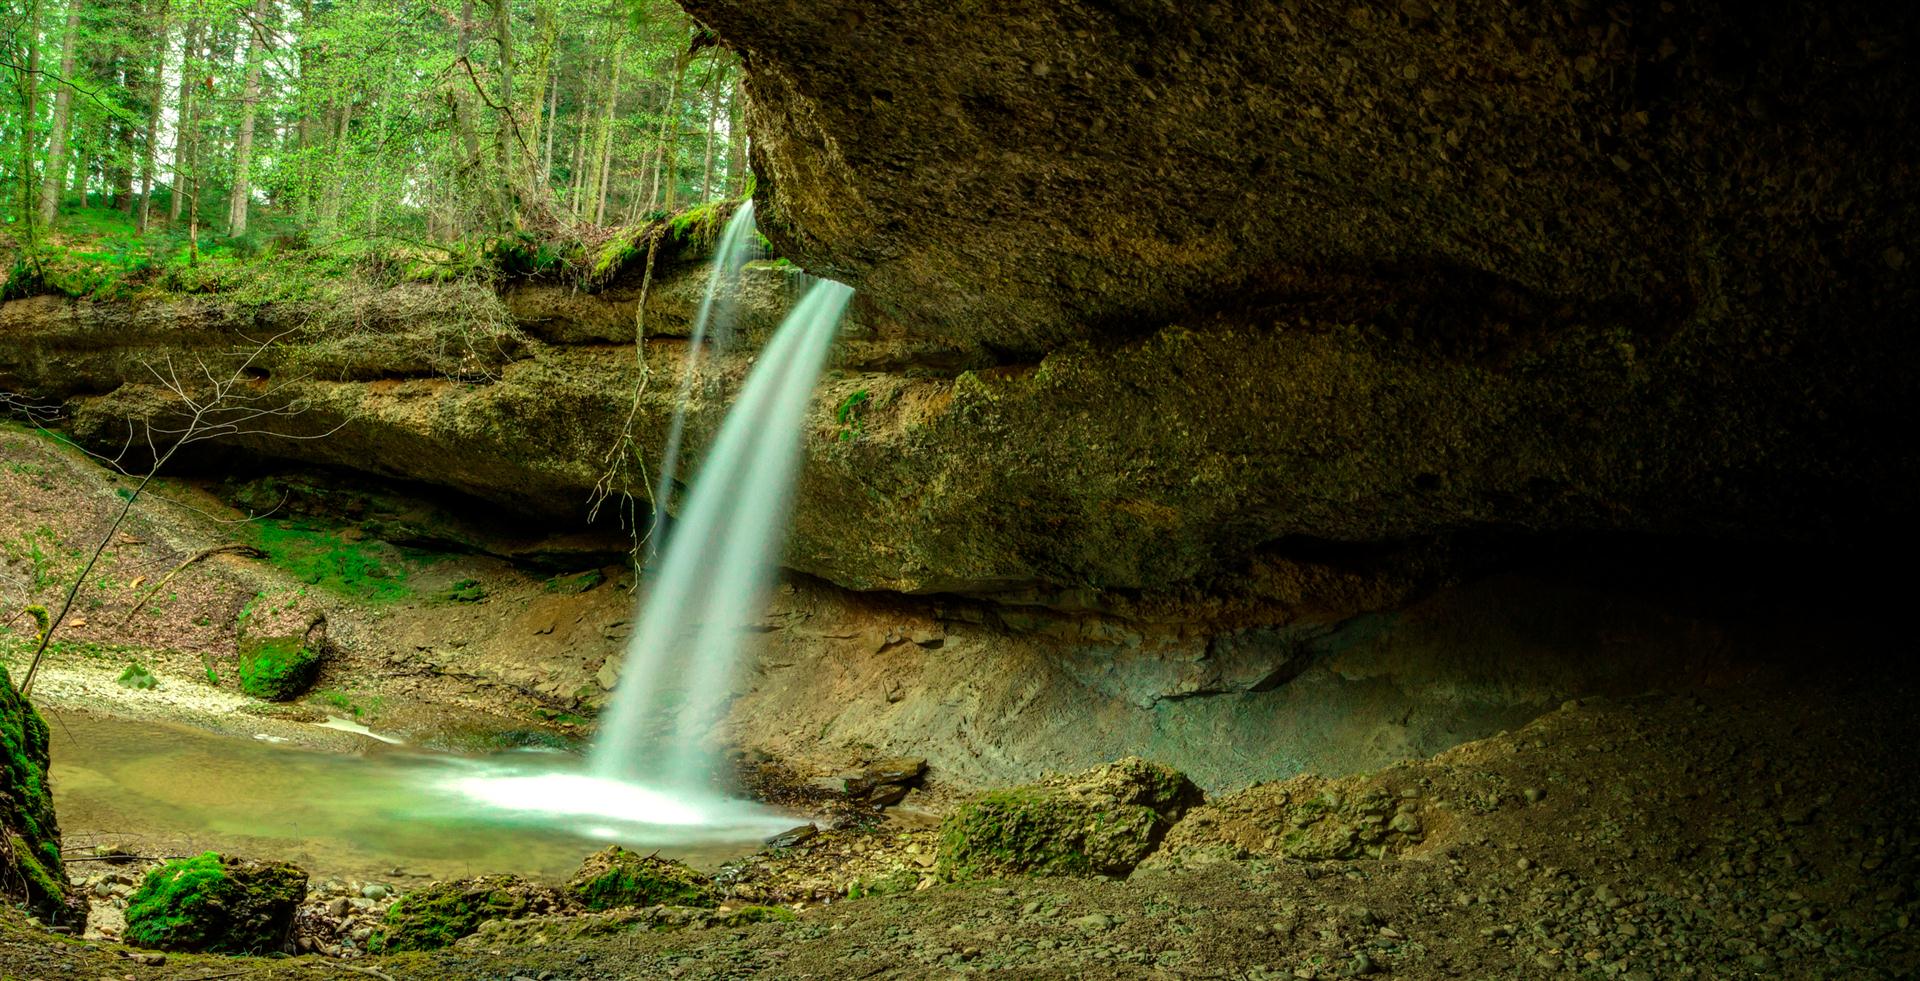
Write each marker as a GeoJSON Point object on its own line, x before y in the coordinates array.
{"type": "Point", "coordinates": [617, 878]}
{"type": "Point", "coordinates": [1101, 822]}
{"type": "Point", "coordinates": [30, 868]}
{"type": "Point", "coordinates": [277, 668]}
{"type": "Point", "coordinates": [212, 902]}
{"type": "Point", "coordinates": [436, 915]}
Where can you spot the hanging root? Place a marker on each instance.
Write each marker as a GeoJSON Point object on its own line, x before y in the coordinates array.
{"type": "Point", "coordinates": [614, 479]}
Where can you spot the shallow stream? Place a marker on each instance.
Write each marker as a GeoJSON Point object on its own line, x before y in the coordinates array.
{"type": "Point", "coordinates": [389, 813]}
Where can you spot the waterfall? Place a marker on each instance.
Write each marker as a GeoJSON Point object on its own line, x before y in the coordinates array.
{"type": "Point", "coordinates": [715, 318]}
{"type": "Point", "coordinates": [717, 565]}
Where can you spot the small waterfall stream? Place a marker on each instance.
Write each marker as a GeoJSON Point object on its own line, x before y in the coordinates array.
{"type": "Point", "coordinates": [714, 320]}
{"type": "Point", "coordinates": [717, 564]}
{"type": "Point", "coordinates": [651, 763]}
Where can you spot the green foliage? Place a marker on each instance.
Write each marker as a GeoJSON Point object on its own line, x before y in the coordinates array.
{"type": "Point", "coordinates": [277, 668]}
{"type": "Point", "coordinates": [848, 416]}
{"type": "Point", "coordinates": [436, 915]}
{"type": "Point", "coordinates": [136, 675]}
{"type": "Point", "coordinates": [617, 878]}
{"type": "Point", "coordinates": [365, 570]}
{"type": "Point", "coordinates": [42, 622]}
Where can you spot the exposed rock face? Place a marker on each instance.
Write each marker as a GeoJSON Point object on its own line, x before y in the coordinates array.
{"type": "Point", "coordinates": [1211, 458]}
{"type": "Point", "coordinates": [1031, 172]}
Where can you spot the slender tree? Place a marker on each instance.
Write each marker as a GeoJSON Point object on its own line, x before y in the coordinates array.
{"type": "Point", "coordinates": [55, 177]}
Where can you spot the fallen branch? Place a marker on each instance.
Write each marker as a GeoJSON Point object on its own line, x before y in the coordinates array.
{"type": "Point", "coordinates": [233, 548]}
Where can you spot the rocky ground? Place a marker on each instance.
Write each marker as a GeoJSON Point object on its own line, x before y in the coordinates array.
{"type": "Point", "coordinates": [1766, 831]}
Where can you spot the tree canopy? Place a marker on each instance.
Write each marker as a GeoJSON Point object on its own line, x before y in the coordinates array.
{"type": "Point", "coordinates": [331, 121]}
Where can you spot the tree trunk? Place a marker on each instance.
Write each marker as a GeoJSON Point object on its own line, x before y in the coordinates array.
{"type": "Point", "coordinates": [149, 149]}
{"type": "Point", "coordinates": [507, 131]}
{"type": "Point", "coordinates": [29, 83]}
{"type": "Point", "coordinates": [54, 180]}
{"type": "Point", "coordinates": [467, 170]}
{"type": "Point", "coordinates": [304, 159]}
{"type": "Point", "coordinates": [737, 141]}
{"type": "Point", "coordinates": [80, 163]}
{"type": "Point", "coordinates": [576, 174]}
{"type": "Point", "coordinates": [668, 125]}
{"type": "Point", "coordinates": [606, 137]}
{"type": "Point", "coordinates": [330, 207]}
{"type": "Point", "coordinates": [183, 140]}
{"type": "Point", "coordinates": [241, 195]}
{"type": "Point", "coordinates": [713, 124]}
{"type": "Point", "coordinates": [553, 123]}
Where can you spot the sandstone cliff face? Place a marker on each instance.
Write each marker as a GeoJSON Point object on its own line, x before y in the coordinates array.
{"type": "Point", "coordinates": [1262, 461]}
{"type": "Point", "coordinates": [1026, 173]}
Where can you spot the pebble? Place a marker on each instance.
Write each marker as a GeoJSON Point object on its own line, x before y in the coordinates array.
{"type": "Point", "coordinates": [375, 891]}
{"type": "Point", "coordinates": [1093, 922]}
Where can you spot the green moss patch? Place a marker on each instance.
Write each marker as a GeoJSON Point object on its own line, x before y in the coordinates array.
{"type": "Point", "coordinates": [435, 916]}
{"type": "Point", "coordinates": [136, 675]}
{"type": "Point", "coordinates": [277, 668]}
{"type": "Point", "coordinates": [466, 591]}
{"type": "Point", "coordinates": [364, 569]}
{"type": "Point", "coordinates": [214, 903]}
{"type": "Point", "coordinates": [1102, 822]}
{"type": "Point", "coordinates": [616, 877]}
{"type": "Point", "coordinates": [30, 867]}
{"type": "Point", "coordinates": [576, 583]}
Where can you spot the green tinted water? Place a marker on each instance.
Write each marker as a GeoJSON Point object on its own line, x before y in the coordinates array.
{"type": "Point", "coordinates": [161, 789]}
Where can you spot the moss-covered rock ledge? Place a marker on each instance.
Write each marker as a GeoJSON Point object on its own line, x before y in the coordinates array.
{"type": "Point", "coordinates": [31, 871]}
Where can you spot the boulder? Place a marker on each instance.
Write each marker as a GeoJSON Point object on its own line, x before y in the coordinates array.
{"type": "Point", "coordinates": [1101, 822]}
{"type": "Point", "coordinates": [436, 915]}
{"type": "Point", "coordinates": [283, 667]}
{"type": "Point", "coordinates": [219, 903]}
{"type": "Point", "coordinates": [616, 878]}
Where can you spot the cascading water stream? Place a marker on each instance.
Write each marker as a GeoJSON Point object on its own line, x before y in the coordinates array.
{"type": "Point", "coordinates": [651, 763]}
{"type": "Point", "coordinates": [717, 564]}
{"type": "Point", "coordinates": [714, 319]}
